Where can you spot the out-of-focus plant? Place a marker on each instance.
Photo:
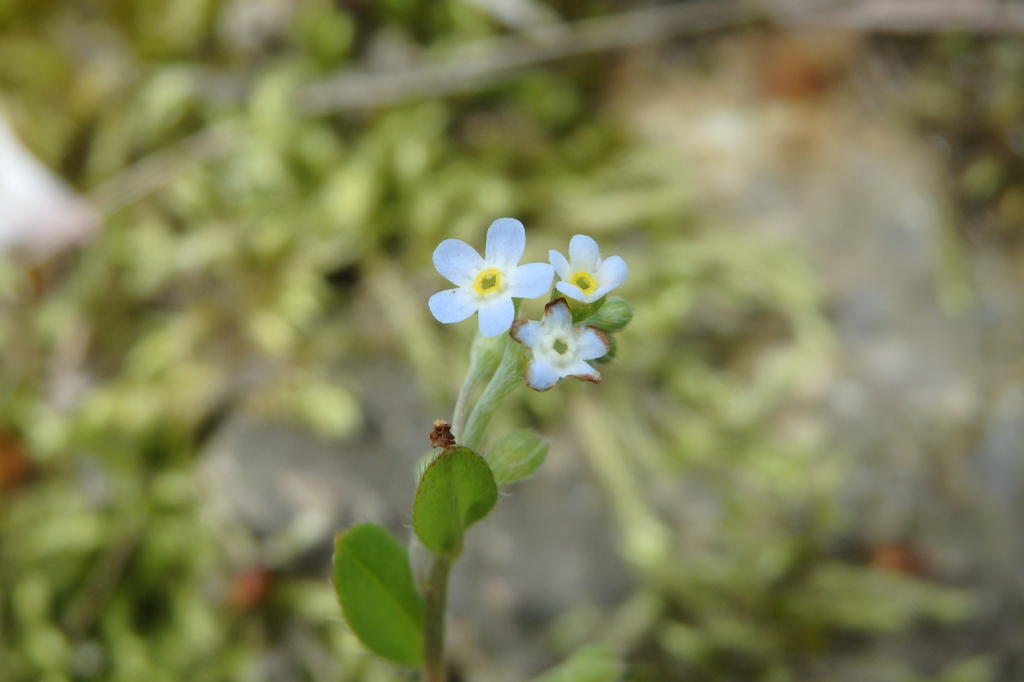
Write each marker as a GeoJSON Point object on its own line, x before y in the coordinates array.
{"type": "Point", "coordinates": [964, 92]}
{"type": "Point", "coordinates": [236, 286]}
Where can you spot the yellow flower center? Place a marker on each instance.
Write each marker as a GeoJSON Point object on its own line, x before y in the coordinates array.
{"type": "Point", "coordinates": [488, 282]}
{"type": "Point", "coordinates": [584, 281]}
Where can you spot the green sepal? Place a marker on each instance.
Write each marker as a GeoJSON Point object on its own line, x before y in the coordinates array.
{"type": "Point", "coordinates": [374, 583]}
{"type": "Point", "coordinates": [456, 491]}
{"type": "Point", "coordinates": [592, 663]}
{"type": "Point", "coordinates": [516, 455]}
{"type": "Point", "coordinates": [613, 316]}
{"type": "Point", "coordinates": [583, 311]}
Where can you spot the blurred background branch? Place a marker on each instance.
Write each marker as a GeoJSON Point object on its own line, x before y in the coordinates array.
{"type": "Point", "coordinates": [479, 64]}
{"type": "Point", "coordinates": [917, 16]}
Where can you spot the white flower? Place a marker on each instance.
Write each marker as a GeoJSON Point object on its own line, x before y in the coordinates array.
{"type": "Point", "coordinates": [586, 276]}
{"type": "Point", "coordinates": [487, 285]}
{"type": "Point", "coordinates": [39, 214]}
{"type": "Point", "coordinates": [559, 349]}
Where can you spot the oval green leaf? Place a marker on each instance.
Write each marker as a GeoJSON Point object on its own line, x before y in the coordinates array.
{"type": "Point", "coordinates": [374, 584]}
{"type": "Point", "coordinates": [456, 491]}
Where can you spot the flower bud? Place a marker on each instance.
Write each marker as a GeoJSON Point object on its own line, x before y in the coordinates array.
{"type": "Point", "coordinates": [612, 316]}
{"type": "Point", "coordinates": [583, 311]}
{"type": "Point", "coordinates": [516, 455]}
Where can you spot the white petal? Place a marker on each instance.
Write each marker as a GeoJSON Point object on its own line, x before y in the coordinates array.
{"type": "Point", "coordinates": [496, 316]}
{"type": "Point", "coordinates": [506, 241]}
{"type": "Point", "coordinates": [570, 290]}
{"type": "Point", "coordinates": [39, 214]}
{"type": "Point", "coordinates": [583, 253]}
{"type": "Point", "coordinates": [557, 316]}
{"type": "Point", "coordinates": [612, 272]}
{"type": "Point", "coordinates": [582, 370]}
{"type": "Point", "coordinates": [452, 305]}
{"type": "Point", "coordinates": [531, 280]}
{"type": "Point", "coordinates": [599, 292]}
{"type": "Point", "coordinates": [526, 332]}
{"type": "Point", "coordinates": [540, 375]}
{"type": "Point", "coordinates": [457, 261]}
{"type": "Point", "coordinates": [560, 264]}
{"type": "Point", "coordinates": [590, 343]}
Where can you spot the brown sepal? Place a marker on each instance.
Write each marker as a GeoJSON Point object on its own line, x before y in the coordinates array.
{"type": "Point", "coordinates": [594, 378]}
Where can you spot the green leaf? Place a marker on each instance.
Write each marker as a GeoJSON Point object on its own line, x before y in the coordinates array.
{"type": "Point", "coordinates": [516, 455]}
{"type": "Point", "coordinates": [613, 316]}
{"type": "Point", "coordinates": [374, 583]}
{"type": "Point", "coordinates": [456, 491]}
{"type": "Point", "coordinates": [592, 663]}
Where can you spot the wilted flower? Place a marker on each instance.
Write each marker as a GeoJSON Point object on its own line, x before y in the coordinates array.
{"type": "Point", "coordinates": [586, 276]}
{"type": "Point", "coordinates": [487, 285]}
{"type": "Point", "coordinates": [559, 349]}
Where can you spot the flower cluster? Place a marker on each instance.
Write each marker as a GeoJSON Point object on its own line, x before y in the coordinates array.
{"type": "Point", "coordinates": [487, 286]}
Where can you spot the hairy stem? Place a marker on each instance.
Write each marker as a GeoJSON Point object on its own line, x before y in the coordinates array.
{"type": "Point", "coordinates": [508, 375]}
{"type": "Point", "coordinates": [435, 596]}
{"type": "Point", "coordinates": [462, 403]}
{"type": "Point", "coordinates": [484, 356]}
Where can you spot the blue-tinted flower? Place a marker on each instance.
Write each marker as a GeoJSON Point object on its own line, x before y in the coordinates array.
{"type": "Point", "coordinates": [559, 349]}
{"type": "Point", "coordinates": [487, 285]}
{"type": "Point", "coordinates": [587, 277]}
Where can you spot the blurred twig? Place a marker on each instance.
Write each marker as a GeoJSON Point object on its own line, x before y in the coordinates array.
{"type": "Point", "coordinates": [920, 16]}
{"type": "Point", "coordinates": [646, 540]}
{"type": "Point", "coordinates": [468, 68]}
{"type": "Point", "coordinates": [482, 63]}
{"type": "Point", "coordinates": [519, 14]}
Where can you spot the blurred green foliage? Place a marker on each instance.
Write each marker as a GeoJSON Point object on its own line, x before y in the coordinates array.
{"type": "Point", "coordinates": [965, 94]}
{"type": "Point", "coordinates": [254, 283]}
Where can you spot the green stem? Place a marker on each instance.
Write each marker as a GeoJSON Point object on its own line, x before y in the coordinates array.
{"type": "Point", "coordinates": [462, 403]}
{"type": "Point", "coordinates": [435, 597]}
{"type": "Point", "coordinates": [504, 358]}
{"type": "Point", "coordinates": [484, 356]}
{"type": "Point", "coordinates": [508, 375]}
